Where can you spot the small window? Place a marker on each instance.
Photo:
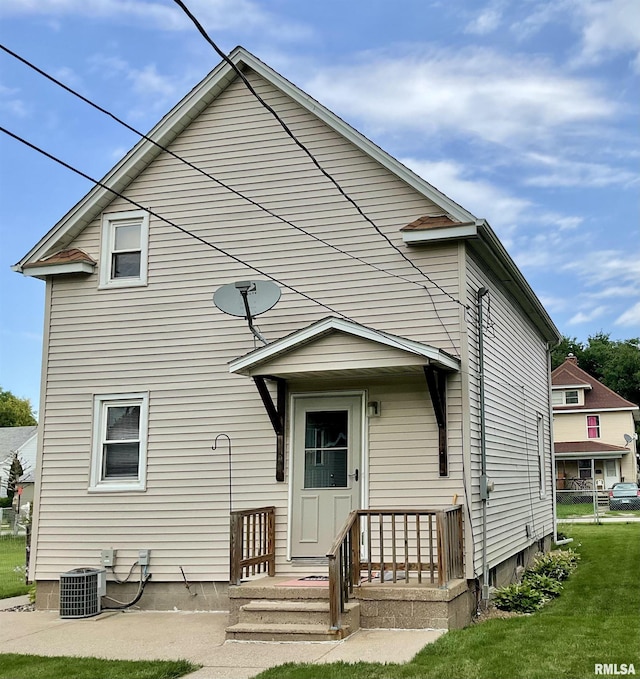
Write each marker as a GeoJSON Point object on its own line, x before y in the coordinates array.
{"type": "Point", "coordinates": [119, 442]}
{"type": "Point", "coordinates": [593, 426]}
{"type": "Point", "coordinates": [571, 397]}
{"type": "Point", "coordinates": [584, 469]}
{"type": "Point", "coordinates": [123, 259]}
{"type": "Point", "coordinates": [562, 398]}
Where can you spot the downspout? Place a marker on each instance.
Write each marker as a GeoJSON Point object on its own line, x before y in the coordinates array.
{"type": "Point", "coordinates": [484, 486]}
{"type": "Point", "coordinates": [553, 459]}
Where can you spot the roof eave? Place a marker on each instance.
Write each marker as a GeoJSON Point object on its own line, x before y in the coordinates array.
{"type": "Point", "coordinates": [58, 269]}
{"type": "Point", "coordinates": [244, 364]}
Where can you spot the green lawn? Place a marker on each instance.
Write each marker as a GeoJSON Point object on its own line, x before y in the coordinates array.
{"type": "Point", "coordinates": [595, 620]}
{"type": "Point", "coordinates": [12, 563]}
{"type": "Point", "coordinates": [13, 666]}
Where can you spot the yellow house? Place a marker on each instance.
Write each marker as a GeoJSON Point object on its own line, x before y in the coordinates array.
{"type": "Point", "coordinates": [593, 430]}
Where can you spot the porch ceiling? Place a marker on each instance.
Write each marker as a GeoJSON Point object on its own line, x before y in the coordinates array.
{"type": "Point", "coordinates": [335, 348]}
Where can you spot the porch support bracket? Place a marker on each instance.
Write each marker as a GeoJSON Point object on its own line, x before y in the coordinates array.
{"type": "Point", "coordinates": [437, 383]}
{"type": "Point", "coordinates": [276, 412]}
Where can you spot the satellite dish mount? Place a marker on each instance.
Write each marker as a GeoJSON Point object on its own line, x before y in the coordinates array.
{"type": "Point", "coordinates": [247, 299]}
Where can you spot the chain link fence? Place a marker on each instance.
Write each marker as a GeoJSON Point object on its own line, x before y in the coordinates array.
{"type": "Point", "coordinates": [581, 502]}
{"type": "Point", "coordinates": [14, 538]}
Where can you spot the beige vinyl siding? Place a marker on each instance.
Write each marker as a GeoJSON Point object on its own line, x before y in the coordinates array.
{"type": "Point", "coordinates": [613, 426]}
{"type": "Point", "coordinates": [516, 390]}
{"type": "Point", "coordinates": [403, 442]}
{"type": "Point", "coordinates": [339, 351]}
{"type": "Point", "coordinates": [169, 340]}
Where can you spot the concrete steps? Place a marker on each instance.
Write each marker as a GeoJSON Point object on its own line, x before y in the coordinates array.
{"type": "Point", "coordinates": [290, 620]}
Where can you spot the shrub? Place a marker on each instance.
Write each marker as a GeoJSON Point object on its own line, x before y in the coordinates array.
{"type": "Point", "coordinates": [558, 564]}
{"type": "Point", "coordinates": [520, 597]}
{"type": "Point", "coordinates": [550, 587]}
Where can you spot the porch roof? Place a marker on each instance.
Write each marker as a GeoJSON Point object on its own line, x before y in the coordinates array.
{"type": "Point", "coordinates": [357, 348]}
{"type": "Point", "coordinates": [585, 450]}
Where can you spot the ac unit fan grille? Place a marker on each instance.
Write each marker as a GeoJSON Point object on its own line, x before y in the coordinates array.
{"type": "Point", "coordinates": [79, 593]}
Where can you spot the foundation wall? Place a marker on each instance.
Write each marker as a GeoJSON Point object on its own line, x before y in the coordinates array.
{"type": "Point", "coordinates": [160, 596]}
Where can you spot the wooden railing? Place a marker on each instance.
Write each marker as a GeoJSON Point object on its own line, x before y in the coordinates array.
{"type": "Point", "coordinates": [252, 537]}
{"type": "Point", "coordinates": [391, 545]}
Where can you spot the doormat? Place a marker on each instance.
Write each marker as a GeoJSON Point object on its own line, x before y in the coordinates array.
{"type": "Point", "coordinates": [307, 581]}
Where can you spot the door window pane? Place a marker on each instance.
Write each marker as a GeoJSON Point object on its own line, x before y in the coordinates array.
{"type": "Point", "coordinates": [326, 449]}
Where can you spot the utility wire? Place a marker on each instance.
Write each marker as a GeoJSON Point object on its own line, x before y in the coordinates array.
{"type": "Point", "coordinates": [167, 221]}
{"type": "Point", "coordinates": [198, 169]}
{"type": "Point", "coordinates": [313, 159]}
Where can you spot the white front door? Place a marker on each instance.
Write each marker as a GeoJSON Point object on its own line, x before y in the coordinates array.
{"type": "Point", "coordinates": [326, 459]}
{"type": "Point", "coordinates": [610, 473]}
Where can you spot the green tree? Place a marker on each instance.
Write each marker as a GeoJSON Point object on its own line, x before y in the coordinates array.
{"type": "Point", "coordinates": [15, 472]}
{"type": "Point", "coordinates": [15, 411]}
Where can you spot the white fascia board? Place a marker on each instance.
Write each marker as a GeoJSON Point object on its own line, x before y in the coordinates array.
{"type": "Point", "coordinates": [609, 454]}
{"type": "Point", "coordinates": [326, 325]}
{"type": "Point", "coordinates": [441, 233]}
{"type": "Point", "coordinates": [57, 269]}
{"type": "Point", "coordinates": [596, 410]}
{"type": "Point", "coordinates": [571, 386]}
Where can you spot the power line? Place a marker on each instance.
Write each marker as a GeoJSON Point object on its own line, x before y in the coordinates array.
{"type": "Point", "coordinates": [224, 185]}
{"type": "Point", "coordinates": [313, 159]}
{"type": "Point", "coordinates": [168, 221]}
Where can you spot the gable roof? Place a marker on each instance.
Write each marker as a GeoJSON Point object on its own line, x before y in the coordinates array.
{"type": "Point", "coordinates": [597, 396]}
{"type": "Point", "coordinates": [173, 123]}
{"type": "Point", "coordinates": [13, 438]}
{"type": "Point", "coordinates": [245, 364]}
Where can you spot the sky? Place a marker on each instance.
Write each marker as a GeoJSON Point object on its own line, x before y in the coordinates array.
{"type": "Point", "coordinates": [525, 112]}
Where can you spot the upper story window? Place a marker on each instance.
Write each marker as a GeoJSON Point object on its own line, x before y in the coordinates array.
{"type": "Point", "coordinates": [123, 260]}
{"type": "Point", "coordinates": [119, 442]}
{"type": "Point", "coordinates": [565, 398]}
{"type": "Point", "coordinates": [593, 426]}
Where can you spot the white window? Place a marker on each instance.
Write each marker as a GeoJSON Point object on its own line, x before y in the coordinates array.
{"type": "Point", "coordinates": [593, 426]}
{"type": "Point", "coordinates": [123, 260]}
{"type": "Point", "coordinates": [567, 397]}
{"type": "Point", "coordinates": [119, 442]}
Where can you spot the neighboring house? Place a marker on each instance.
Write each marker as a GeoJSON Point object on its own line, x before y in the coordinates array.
{"type": "Point", "coordinates": [367, 395]}
{"type": "Point", "coordinates": [22, 441]}
{"type": "Point", "coordinates": [593, 429]}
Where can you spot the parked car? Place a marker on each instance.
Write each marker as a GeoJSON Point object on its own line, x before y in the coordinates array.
{"type": "Point", "coordinates": [624, 496]}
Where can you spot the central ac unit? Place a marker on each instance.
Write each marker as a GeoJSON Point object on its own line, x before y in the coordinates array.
{"type": "Point", "coordinates": [80, 592]}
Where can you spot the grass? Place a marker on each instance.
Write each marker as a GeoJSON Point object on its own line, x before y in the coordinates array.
{"type": "Point", "coordinates": [595, 620]}
{"type": "Point", "coordinates": [586, 509]}
{"type": "Point", "coordinates": [12, 564]}
{"type": "Point", "coordinates": [14, 666]}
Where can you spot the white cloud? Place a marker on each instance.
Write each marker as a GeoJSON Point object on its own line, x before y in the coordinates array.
{"type": "Point", "coordinates": [11, 103]}
{"type": "Point", "coordinates": [472, 92]}
{"type": "Point", "coordinates": [480, 197]}
{"type": "Point", "coordinates": [610, 27]}
{"type": "Point", "coordinates": [214, 15]}
{"type": "Point", "coordinates": [561, 172]}
{"type": "Point", "coordinates": [486, 22]}
{"type": "Point", "coordinates": [631, 317]}
{"type": "Point", "coordinates": [587, 316]}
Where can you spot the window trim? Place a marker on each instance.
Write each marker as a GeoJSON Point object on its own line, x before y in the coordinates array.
{"type": "Point", "coordinates": [100, 404]}
{"type": "Point", "coordinates": [595, 426]}
{"type": "Point", "coordinates": [109, 223]}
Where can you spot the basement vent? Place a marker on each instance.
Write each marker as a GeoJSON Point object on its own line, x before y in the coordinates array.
{"type": "Point", "coordinates": [80, 592]}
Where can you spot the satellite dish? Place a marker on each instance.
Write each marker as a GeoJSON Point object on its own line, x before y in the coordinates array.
{"type": "Point", "coordinates": [628, 438]}
{"type": "Point", "coordinates": [260, 295]}
{"type": "Point", "coordinates": [247, 299]}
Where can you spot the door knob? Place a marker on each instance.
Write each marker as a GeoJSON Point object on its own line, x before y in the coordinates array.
{"type": "Point", "coordinates": [356, 475]}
